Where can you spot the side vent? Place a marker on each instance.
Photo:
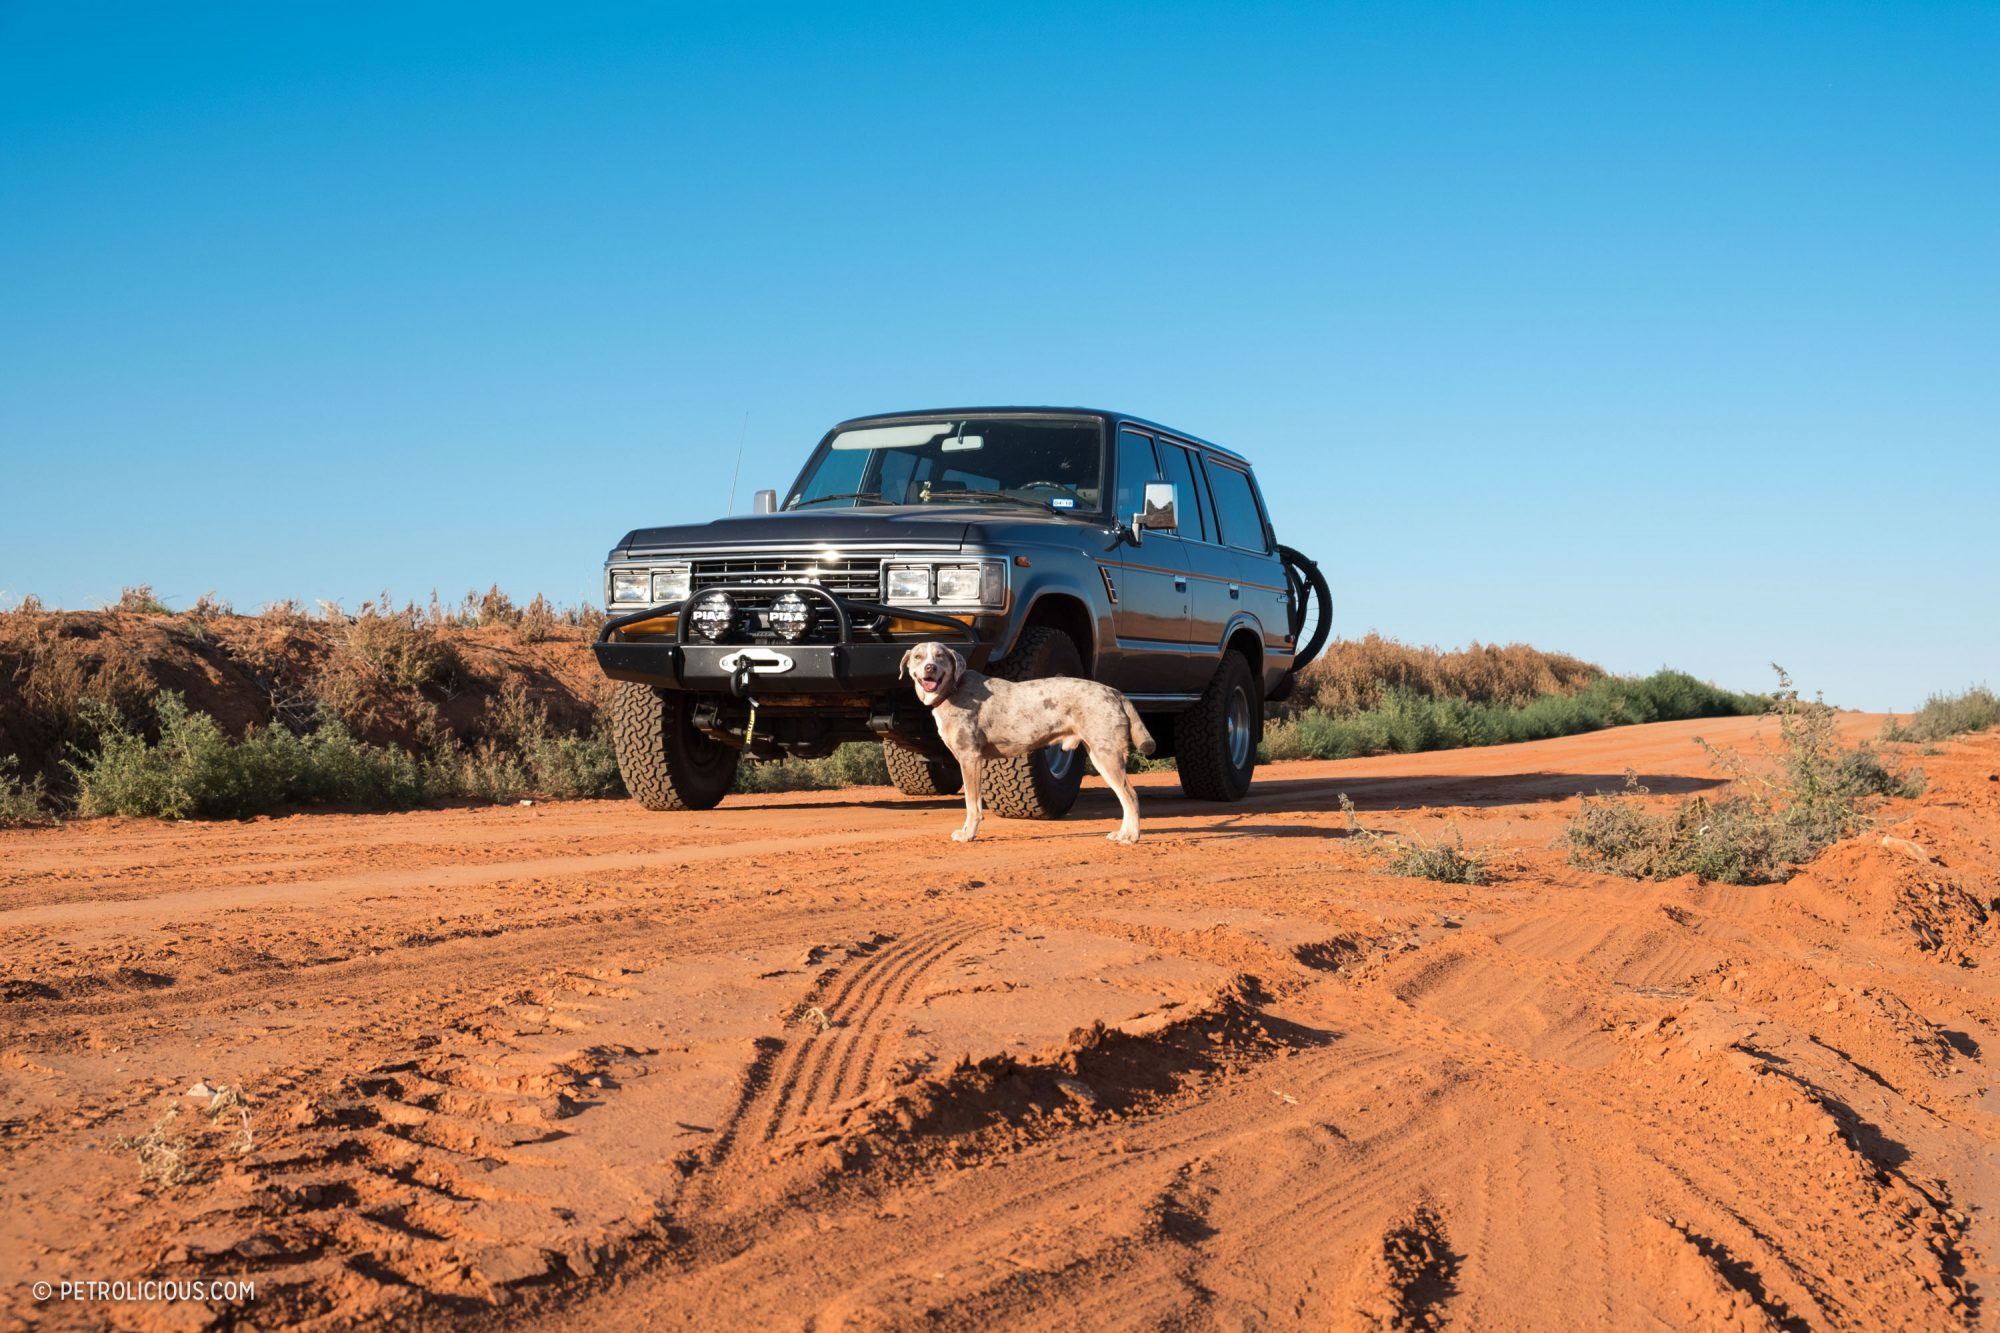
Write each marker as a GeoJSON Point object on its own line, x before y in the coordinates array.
{"type": "Point", "coordinates": [1110, 588]}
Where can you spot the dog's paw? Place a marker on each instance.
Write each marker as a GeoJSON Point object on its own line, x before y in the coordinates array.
{"type": "Point", "coordinates": [962, 835]}
{"type": "Point", "coordinates": [1121, 836]}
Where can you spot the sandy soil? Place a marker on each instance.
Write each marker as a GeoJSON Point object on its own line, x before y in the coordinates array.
{"type": "Point", "coordinates": [804, 1061]}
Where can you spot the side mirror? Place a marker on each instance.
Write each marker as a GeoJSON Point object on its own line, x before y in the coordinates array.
{"type": "Point", "coordinates": [765, 503]}
{"type": "Point", "coordinates": [1162, 511]}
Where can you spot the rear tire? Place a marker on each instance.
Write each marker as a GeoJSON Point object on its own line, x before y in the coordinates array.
{"type": "Point", "coordinates": [1042, 785]}
{"type": "Point", "coordinates": [1215, 742]}
{"type": "Point", "coordinates": [666, 763]}
{"type": "Point", "coordinates": [920, 775]}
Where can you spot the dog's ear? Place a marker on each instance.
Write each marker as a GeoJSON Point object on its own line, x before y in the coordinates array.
{"type": "Point", "coordinates": [903, 667]}
{"type": "Point", "coordinates": [957, 663]}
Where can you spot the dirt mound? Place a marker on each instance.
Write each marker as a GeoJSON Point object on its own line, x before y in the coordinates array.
{"type": "Point", "coordinates": [394, 677]}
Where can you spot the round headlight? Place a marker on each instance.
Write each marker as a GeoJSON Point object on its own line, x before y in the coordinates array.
{"type": "Point", "coordinates": [712, 616]}
{"type": "Point", "coordinates": [790, 616]}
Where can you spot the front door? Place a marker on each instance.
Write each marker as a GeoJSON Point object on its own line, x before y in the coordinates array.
{"type": "Point", "coordinates": [1150, 583]}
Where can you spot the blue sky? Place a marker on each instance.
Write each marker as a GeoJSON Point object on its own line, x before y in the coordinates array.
{"type": "Point", "coordinates": [1658, 334]}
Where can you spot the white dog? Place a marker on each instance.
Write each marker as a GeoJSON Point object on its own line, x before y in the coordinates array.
{"type": "Point", "coordinates": [981, 718]}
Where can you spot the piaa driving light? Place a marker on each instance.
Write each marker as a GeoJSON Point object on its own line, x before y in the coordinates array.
{"type": "Point", "coordinates": [790, 616]}
{"type": "Point", "coordinates": [712, 616]}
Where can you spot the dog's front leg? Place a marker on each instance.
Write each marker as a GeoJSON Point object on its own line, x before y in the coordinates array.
{"type": "Point", "coordinates": [970, 768]}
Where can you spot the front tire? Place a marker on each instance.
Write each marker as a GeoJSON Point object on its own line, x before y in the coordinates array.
{"type": "Point", "coordinates": [666, 763]}
{"type": "Point", "coordinates": [919, 775]}
{"type": "Point", "coordinates": [1042, 785]}
{"type": "Point", "coordinates": [1215, 742]}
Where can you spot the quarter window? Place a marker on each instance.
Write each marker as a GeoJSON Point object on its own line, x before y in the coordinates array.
{"type": "Point", "coordinates": [1236, 509]}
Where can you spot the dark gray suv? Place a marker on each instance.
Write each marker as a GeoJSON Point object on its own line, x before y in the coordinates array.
{"type": "Point", "coordinates": [1038, 541]}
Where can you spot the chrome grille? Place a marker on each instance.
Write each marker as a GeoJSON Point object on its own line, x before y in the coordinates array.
{"type": "Point", "coordinates": [858, 577]}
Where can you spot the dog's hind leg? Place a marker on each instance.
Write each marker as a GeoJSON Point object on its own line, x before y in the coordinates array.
{"type": "Point", "coordinates": [972, 771]}
{"type": "Point", "coordinates": [1110, 761]}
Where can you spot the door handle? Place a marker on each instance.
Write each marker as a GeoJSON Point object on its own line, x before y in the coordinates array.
{"type": "Point", "coordinates": [1235, 590]}
{"type": "Point", "coordinates": [1180, 583]}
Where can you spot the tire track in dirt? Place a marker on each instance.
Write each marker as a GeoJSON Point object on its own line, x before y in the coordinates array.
{"type": "Point", "coordinates": [796, 1078]}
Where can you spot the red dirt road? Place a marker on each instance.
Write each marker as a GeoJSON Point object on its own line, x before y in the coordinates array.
{"type": "Point", "coordinates": [803, 1061]}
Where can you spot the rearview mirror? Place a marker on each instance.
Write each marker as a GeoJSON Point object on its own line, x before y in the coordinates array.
{"type": "Point", "coordinates": [766, 502]}
{"type": "Point", "coordinates": [1162, 510]}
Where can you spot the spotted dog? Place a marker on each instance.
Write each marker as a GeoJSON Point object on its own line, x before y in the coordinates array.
{"type": "Point", "coordinates": [981, 718]}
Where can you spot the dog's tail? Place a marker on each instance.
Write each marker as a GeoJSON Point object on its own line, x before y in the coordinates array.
{"type": "Point", "coordinates": [1142, 739]}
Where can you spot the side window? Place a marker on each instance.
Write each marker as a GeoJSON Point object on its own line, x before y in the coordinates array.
{"type": "Point", "coordinates": [1179, 469]}
{"type": "Point", "coordinates": [1136, 467]}
{"type": "Point", "coordinates": [1236, 507]}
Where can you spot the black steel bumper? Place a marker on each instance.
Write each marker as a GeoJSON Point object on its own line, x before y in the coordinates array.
{"type": "Point", "coordinates": [849, 664]}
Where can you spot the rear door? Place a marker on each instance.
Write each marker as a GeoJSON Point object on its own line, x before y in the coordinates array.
{"type": "Point", "coordinates": [1209, 569]}
{"type": "Point", "coordinates": [1237, 573]}
{"type": "Point", "coordinates": [1149, 583]}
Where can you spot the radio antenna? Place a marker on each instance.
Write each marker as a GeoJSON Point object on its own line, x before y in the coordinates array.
{"type": "Point", "coordinates": [745, 435]}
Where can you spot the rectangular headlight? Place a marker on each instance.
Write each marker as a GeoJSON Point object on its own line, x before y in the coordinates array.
{"type": "Point", "coordinates": [909, 583]}
{"type": "Point", "coordinates": [958, 583]}
{"type": "Point", "coordinates": [670, 584]}
{"type": "Point", "coordinates": [628, 587]}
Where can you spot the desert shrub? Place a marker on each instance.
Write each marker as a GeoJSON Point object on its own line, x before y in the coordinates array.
{"type": "Point", "coordinates": [194, 771]}
{"type": "Point", "coordinates": [538, 621]}
{"type": "Point", "coordinates": [1445, 862]}
{"type": "Point", "coordinates": [1407, 722]}
{"type": "Point", "coordinates": [140, 600]}
{"type": "Point", "coordinates": [1355, 675]}
{"type": "Point", "coordinates": [21, 801]}
{"type": "Point", "coordinates": [29, 605]}
{"type": "Point", "coordinates": [401, 646]}
{"type": "Point", "coordinates": [1774, 815]}
{"type": "Point", "coordinates": [74, 683]}
{"type": "Point", "coordinates": [520, 753]}
{"type": "Point", "coordinates": [1946, 715]}
{"type": "Point", "coordinates": [497, 608]}
{"type": "Point", "coordinates": [855, 764]}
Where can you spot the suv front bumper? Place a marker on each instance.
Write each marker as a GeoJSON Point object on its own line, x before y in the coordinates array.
{"type": "Point", "coordinates": [848, 665]}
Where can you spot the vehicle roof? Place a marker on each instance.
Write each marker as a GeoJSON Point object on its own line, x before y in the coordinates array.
{"type": "Point", "coordinates": [1108, 417]}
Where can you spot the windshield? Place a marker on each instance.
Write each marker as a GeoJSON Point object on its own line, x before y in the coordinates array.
{"type": "Point", "coordinates": [1045, 462]}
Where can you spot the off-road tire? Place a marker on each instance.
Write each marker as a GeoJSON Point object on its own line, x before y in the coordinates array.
{"type": "Point", "coordinates": [1024, 787]}
{"type": "Point", "coordinates": [920, 775]}
{"type": "Point", "coordinates": [666, 763]}
{"type": "Point", "coordinates": [1202, 738]}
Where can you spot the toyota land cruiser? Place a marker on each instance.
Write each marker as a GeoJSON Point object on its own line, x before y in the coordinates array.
{"type": "Point", "coordinates": [1037, 541]}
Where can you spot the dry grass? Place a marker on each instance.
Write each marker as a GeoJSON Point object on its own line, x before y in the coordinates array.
{"type": "Point", "coordinates": [164, 1156]}
{"type": "Point", "coordinates": [1419, 858]}
{"type": "Point", "coordinates": [1354, 675]}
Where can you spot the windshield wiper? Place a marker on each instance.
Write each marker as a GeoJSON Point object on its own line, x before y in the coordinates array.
{"type": "Point", "coordinates": [876, 496]}
{"type": "Point", "coordinates": [981, 495]}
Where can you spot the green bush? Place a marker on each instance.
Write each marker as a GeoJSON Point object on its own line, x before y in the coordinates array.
{"type": "Point", "coordinates": [1445, 862]}
{"type": "Point", "coordinates": [20, 802]}
{"type": "Point", "coordinates": [1946, 715]}
{"type": "Point", "coordinates": [194, 771]}
{"type": "Point", "coordinates": [522, 754]}
{"type": "Point", "coordinates": [1407, 722]}
{"type": "Point", "coordinates": [1774, 816]}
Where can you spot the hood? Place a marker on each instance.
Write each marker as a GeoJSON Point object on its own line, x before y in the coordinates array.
{"type": "Point", "coordinates": [932, 526]}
